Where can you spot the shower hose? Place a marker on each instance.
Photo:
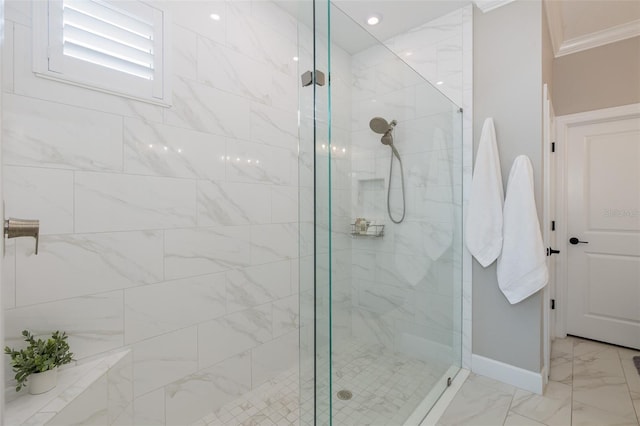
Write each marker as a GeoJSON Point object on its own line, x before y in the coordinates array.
{"type": "Point", "coordinates": [404, 207]}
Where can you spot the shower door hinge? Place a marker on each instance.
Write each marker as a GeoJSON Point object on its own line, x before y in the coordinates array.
{"type": "Point", "coordinates": [553, 225]}
{"type": "Point", "coordinates": [553, 147]}
{"type": "Point", "coordinates": [553, 303]}
{"type": "Point", "coordinates": [308, 78]}
{"type": "Point", "coordinates": [448, 381]}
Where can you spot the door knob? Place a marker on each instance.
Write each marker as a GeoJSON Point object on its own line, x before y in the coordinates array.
{"type": "Point", "coordinates": [574, 241]}
{"type": "Point", "coordinates": [14, 228]}
{"type": "Point", "coordinates": [551, 251]}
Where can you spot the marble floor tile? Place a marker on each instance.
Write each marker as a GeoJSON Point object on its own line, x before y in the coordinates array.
{"type": "Point", "coordinates": [586, 415]}
{"type": "Point", "coordinates": [553, 408]}
{"type": "Point", "coordinates": [562, 347]}
{"type": "Point", "coordinates": [610, 397]}
{"type": "Point", "coordinates": [514, 419]}
{"type": "Point", "coordinates": [480, 401]}
{"type": "Point", "coordinates": [561, 370]}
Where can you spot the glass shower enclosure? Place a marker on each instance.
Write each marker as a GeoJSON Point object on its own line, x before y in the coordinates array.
{"type": "Point", "coordinates": [380, 196]}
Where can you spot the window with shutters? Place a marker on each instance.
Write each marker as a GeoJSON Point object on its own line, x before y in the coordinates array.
{"type": "Point", "coordinates": [111, 46]}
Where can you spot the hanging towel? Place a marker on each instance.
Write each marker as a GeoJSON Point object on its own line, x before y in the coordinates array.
{"type": "Point", "coordinates": [522, 267]}
{"type": "Point", "coordinates": [483, 231]}
{"type": "Point", "coordinates": [438, 199]}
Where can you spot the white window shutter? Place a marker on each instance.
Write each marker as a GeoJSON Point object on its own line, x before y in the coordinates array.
{"type": "Point", "coordinates": [116, 46]}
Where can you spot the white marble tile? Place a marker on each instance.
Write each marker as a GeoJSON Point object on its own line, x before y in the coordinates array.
{"type": "Point", "coordinates": [120, 391]}
{"type": "Point", "coordinates": [228, 70]}
{"type": "Point", "coordinates": [195, 16]}
{"type": "Point", "coordinates": [200, 107]}
{"type": "Point", "coordinates": [284, 204]}
{"type": "Point", "coordinates": [89, 408]}
{"type": "Point", "coordinates": [191, 252]}
{"type": "Point", "coordinates": [561, 369]}
{"type": "Point", "coordinates": [474, 405]}
{"type": "Point", "coordinates": [164, 359]}
{"type": "Point", "coordinates": [184, 48]}
{"type": "Point", "coordinates": [256, 285]}
{"type": "Point", "coordinates": [251, 162]}
{"type": "Point", "coordinates": [109, 202]}
{"type": "Point", "coordinates": [193, 396]}
{"type": "Point", "coordinates": [274, 126]}
{"type": "Point", "coordinates": [26, 83]}
{"type": "Point", "coordinates": [249, 36]}
{"type": "Point", "coordinates": [514, 419]}
{"type": "Point", "coordinates": [552, 408]}
{"type": "Point", "coordinates": [47, 134]}
{"type": "Point", "coordinates": [270, 243]}
{"type": "Point", "coordinates": [596, 368]}
{"type": "Point", "coordinates": [43, 194]}
{"type": "Point", "coordinates": [9, 275]}
{"type": "Point", "coordinates": [610, 395]}
{"type": "Point", "coordinates": [160, 150]}
{"type": "Point", "coordinates": [239, 331]}
{"type": "Point", "coordinates": [76, 265]}
{"type": "Point", "coordinates": [286, 317]}
{"type": "Point", "coordinates": [221, 203]}
{"type": "Point", "coordinates": [273, 358]}
{"type": "Point", "coordinates": [93, 323]}
{"type": "Point", "coordinates": [587, 415]}
{"type": "Point", "coordinates": [8, 53]}
{"type": "Point", "coordinates": [284, 91]}
{"type": "Point", "coordinates": [150, 310]}
{"type": "Point", "coordinates": [588, 350]}
{"type": "Point", "coordinates": [275, 18]}
{"type": "Point", "coordinates": [149, 410]}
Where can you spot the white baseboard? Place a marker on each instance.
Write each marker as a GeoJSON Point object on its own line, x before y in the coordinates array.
{"type": "Point", "coordinates": [506, 373]}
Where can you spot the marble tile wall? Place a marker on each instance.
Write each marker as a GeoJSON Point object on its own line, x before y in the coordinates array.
{"type": "Point", "coordinates": [407, 286]}
{"type": "Point", "coordinates": [171, 231]}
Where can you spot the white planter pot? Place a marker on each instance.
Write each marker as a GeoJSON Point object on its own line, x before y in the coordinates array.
{"type": "Point", "coordinates": [42, 382]}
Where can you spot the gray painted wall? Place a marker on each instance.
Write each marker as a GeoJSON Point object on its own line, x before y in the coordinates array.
{"type": "Point", "coordinates": [602, 77]}
{"type": "Point", "coordinates": [508, 87]}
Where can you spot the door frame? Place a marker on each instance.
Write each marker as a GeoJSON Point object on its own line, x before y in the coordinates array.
{"type": "Point", "coordinates": [549, 214]}
{"type": "Point", "coordinates": [563, 124]}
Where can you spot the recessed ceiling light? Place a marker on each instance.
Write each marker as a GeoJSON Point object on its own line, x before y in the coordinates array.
{"type": "Point", "coordinates": [214, 16]}
{"type": "Point", "coordinates": [439, 83]}
{"type": "Point", "coordinates": [408, 53]}
{"type": "Point", "coordinates": [374, 20]}
{"type": "Point", "coordinates": [295, 58]}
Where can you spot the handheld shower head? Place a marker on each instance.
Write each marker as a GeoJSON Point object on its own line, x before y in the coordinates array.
{"type": "Point", "coordinates": [379, 125]}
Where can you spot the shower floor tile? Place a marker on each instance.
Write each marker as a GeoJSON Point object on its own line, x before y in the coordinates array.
{"type": "Point", "coordinates": [386, 388]}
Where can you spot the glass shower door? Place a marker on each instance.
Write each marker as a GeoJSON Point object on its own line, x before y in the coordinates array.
{"type": "Point", "coordinates": [315, 215]}
{"type": "Point", "coordinates": [380, 231]}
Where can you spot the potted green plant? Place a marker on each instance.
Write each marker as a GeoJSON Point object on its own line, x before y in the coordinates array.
{"type": "Point", "coordinates": [38, 362]}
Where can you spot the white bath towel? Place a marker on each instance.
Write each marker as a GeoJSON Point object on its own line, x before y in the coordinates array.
{"type": "Point", "coordinates": [522, 268]}
{"type": "Point", "coordinates": [483, 231]}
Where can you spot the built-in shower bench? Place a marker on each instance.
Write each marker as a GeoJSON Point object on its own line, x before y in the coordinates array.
{"type": "Point", "coordinates": [95, 392]}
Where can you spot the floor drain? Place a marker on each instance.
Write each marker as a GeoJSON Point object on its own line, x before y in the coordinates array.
{"type": "Point", "coordinates": [344, 394]}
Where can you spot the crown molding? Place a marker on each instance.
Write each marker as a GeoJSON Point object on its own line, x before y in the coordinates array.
{"type": "Point", "coordinates": [598, 38]}
{"type": "Point", "coordinates": [488, 5]}
{"type": "Point", "coordinates": [554, 21]}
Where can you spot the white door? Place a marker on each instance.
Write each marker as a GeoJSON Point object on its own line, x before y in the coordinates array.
{"type": "Point", "coordinates": [603, 209]}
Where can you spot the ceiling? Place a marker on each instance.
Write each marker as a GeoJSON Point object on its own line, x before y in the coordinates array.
{"type": "Point", "coordinates": [574, 25]}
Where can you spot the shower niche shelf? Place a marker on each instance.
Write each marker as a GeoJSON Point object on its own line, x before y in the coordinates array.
{"type": "Point", "coordinates": [373, 230]}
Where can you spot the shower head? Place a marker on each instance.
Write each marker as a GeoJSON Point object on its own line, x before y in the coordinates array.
{"type": "Point", "coordinates": [380, 125]}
